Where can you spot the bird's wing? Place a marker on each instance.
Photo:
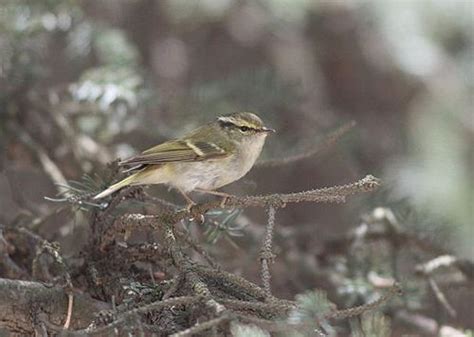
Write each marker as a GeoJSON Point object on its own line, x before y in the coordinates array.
{"type": "Point", "coordinates": [176, 151]}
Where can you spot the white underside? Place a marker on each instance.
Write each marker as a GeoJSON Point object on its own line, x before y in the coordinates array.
{"type": "Point", "coordinates": [208, 174]}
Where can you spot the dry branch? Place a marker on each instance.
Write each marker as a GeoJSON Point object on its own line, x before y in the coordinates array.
{"type": "Point", "coordinates": [335, 194]}
{"type": "Point", "coordinates": [266, 255]}
{"type": "Point", "coordinates": [359, 310]}
{"type": "Point", "coordinates": [122, 318]}
{"type": "Point", "coordinates": [49, 167]}
{"type": "Point", "coordinates": [22, 300]}
{"type": "Point", "coordinates": [210, 285]}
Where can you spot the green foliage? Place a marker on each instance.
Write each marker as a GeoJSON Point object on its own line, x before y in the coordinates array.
{"type": "Point", "coordinates": [137, 291]}
{"type": "Point", "coordinates": [115, 84]}
{"type": "Point", "coordinates": [246, 330]}
{"type": "Point", "coordinates": [27, 28]}
{"type": "Point", "coordinates": [79, 192]}
{"type": "Point", "coordinates": [113, 48]}
{"type": "Point", "coordinates": [105, 95]}
{"type": "Point", "coordinates": [108, 87]}
{"type": "Point", "coordinates": [100, 100]}
{"type": "Point", "coordinates": [222, 223]}
{"type": "Point", "coordinates": [353, 289]}
{"type": "Point", "coordinates": [371, 324]}
{"type": "Point", "coordinates": [312, 309]}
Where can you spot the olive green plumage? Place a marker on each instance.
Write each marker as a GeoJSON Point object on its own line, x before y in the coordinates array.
{"type": "Point", "coordinates": [207, 158]}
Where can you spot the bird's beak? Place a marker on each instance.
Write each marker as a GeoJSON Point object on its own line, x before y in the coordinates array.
{"type": "Point", "coordinates": [265, 129]}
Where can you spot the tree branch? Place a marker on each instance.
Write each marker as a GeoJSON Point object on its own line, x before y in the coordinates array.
{"type": "Point", "coordinates": [266, 255]}
{"type": "Point", "coordinates": [20, 300]}
{"type": "Point", "coordinates": [336, 194]}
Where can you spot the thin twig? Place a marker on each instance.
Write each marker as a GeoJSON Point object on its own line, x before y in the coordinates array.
{"type": "Point", "coordinates": [328, 143]}
{"type": "Point", "coordinates": [70, 304]}
{"type": "Point", "coordinates": [359, 310]}
{"type": "Point", "coordinates": [439, 295]}
{"type": "Point", "coordinates": [428, 268]}
{"type": "Point", "coordinates": [49, 167]}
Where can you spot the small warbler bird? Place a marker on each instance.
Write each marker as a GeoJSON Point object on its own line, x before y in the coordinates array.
{"type": "Point", "coordinates": [212, 156]}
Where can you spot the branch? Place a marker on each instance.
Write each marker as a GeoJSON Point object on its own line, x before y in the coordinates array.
{"type": "Point", "coordinates": [49, 167]}
{"type": "Point", "coordinates": [266, 255]}
{"type": "Point", "coordinates": [441, 298]}
{"type": "Point", "coordinates": [466, 267]}
{"type": "Point", "coordinates": [274, 308]}
{"type": "Point", "coordinates": [20, 299]}
{"type": "Point", "coordinates": [127, 315]}
{"type": "Point", "coordinates": [335, 194]}
{"type": "Point", "coordinates": [208, 284]}
{"type": "Point", "coordinates": [359, 310]}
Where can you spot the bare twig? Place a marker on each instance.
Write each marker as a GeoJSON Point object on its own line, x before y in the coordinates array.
{"type": "Point", "coordinates": [439, 295]}
{"type": "Point", "coordinates": [430, 267]}
{"type": "Point", "coordinates": [49, 167]}
{"type": "Point", "coordinates": [328, 143]}
{"type": "Point", "coordinates": [70, 304]}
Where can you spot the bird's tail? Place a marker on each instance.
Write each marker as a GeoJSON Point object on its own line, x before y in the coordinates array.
{"type": "Point", "coordinates": [115, 187]}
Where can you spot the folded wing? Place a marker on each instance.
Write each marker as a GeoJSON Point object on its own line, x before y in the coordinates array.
{"type": "Point", "coordinates": [176, 151]}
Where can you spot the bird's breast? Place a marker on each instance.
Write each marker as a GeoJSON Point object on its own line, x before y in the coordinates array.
{"type": "Point", "coordinates": [215, 173]}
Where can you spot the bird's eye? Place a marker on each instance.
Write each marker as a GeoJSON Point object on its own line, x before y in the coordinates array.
{"type": "Point", "coordinates": [244, 129]}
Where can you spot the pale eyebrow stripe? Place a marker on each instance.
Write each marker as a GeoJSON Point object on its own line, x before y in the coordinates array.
{"type": "Point", "coordinates": [227, 120]}
{"type": "Point", "coordinates": [193, 147]}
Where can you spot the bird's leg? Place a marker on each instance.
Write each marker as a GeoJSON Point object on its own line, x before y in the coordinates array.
{"type": "Point", "coordinates": [190, 201]}
{"type": "Point", "coordinates": [224, 195]}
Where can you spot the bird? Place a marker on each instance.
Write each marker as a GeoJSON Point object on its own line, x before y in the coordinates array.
{"type": "Point", "coordinates": [209, 157]}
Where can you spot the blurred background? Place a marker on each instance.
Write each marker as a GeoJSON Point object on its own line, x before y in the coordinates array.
{"type": "Point", "coordinates": [83, 82]}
